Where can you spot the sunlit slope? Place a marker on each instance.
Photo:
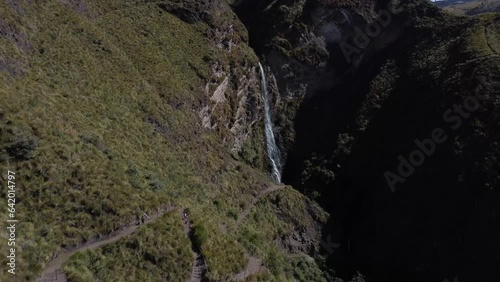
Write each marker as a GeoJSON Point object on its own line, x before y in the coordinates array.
{"type": "Point", "coordinates": [99, 119]}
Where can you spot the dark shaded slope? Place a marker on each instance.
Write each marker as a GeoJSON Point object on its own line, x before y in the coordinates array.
{"type": "Point", "coordinates": [442, 221]}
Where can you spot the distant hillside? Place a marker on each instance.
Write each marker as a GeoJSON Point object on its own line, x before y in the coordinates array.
{"type": "Point", "coordinates": [469, 7]}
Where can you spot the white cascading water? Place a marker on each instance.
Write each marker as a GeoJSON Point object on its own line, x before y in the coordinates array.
{"type": "Point", "coordinates": [272, 150]}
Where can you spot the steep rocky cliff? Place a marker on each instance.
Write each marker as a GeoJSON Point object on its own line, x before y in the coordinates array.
{"type": "Point", "coordinates": [388, 116]}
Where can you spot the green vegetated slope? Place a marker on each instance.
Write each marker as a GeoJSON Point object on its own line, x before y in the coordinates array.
{"type": "Point", "coordinates": [100, 121]}
{"type": "Point", "coordinates": [285, 215]}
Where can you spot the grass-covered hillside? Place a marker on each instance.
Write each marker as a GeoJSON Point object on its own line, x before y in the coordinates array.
{"type": "Point", "coordinates": [113, 109]}
{"type": "Point", "coordinates": [157, 252]}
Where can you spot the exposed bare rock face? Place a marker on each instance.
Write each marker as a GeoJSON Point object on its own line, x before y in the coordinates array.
{"type": "Point", "coordinates": [233, 106]}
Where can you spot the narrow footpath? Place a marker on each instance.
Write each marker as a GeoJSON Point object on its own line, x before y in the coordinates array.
{"type": "Point", "coordinates": [53, 273]}
{"type": "Point", "coordinates": [199, 271]}
{"type": "Point", "coordinates": [261, 195]}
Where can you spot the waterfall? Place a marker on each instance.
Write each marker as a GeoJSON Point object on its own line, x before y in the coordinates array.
{"type": "Point", "coordinates": [272, 150]}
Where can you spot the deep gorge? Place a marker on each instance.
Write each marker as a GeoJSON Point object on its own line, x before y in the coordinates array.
{"type": "Point", "coordinates": [346, 135]}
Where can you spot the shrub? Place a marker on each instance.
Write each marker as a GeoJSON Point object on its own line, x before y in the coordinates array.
{"type": "Point", "coordinates": [157, 185]}
{"type": "Point", "coordinates": [22, 147]}
{"type": "Point", "coordinates": [200, 234]}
